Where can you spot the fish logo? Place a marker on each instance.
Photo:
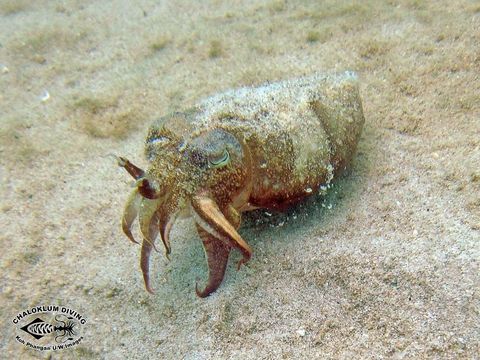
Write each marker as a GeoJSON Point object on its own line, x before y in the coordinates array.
{"type": "Point", "coordinates": [49, 328]}
{"type": "Point", "coordinates": [39, 328]}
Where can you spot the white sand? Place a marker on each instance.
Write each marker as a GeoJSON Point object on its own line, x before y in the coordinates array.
{"type": "Point", "coordinates": [391, 270]}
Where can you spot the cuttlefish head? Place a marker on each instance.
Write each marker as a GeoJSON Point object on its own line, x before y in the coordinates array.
{"type": "Point", "coordinates": [200, 172]}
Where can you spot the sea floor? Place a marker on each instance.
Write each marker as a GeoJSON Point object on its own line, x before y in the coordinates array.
{"type": "Point", "coordinates": [385, 266]}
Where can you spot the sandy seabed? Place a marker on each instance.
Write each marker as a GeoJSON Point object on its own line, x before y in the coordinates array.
{"type": "Point", "coordinates": [385, 266]}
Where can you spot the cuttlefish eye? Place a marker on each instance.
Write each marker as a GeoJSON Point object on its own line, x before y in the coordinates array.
{"type": "Point", "coordinates": [214, 149]}
{"type": "Point", "coordinates": [217, 161]}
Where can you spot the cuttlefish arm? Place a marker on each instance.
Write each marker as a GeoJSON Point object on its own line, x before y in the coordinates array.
{"type": "Point", "coordinates": [144, 186]}
{"type": "Point", "coordinates": [219, 236]}
{"type": "Point", "coordinates": [216, 253]}
{"type": "Point", "coordinates": [130, 214]}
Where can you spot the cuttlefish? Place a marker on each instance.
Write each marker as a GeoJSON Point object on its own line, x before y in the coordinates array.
{"type": "Point", "coordinates": [248, 148]}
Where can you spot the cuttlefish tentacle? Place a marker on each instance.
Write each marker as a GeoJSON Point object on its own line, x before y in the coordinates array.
{"type": "Point", "coordinates": [147, 246]}
{"type": "Point", "coordinates": [234, 217]}
{"type": "Point", "coordinates": [165, 224]}
{"type": "Point", "coordinates": [145, 264]}
{"type": "Point", "coordinates": [130, 214]}
{"type": "Point", "coordinates": [148, 220]}
{"type": "Point", "coordinates": [211, 219]}
{"type": "Point", "coordinates": [145, 187]}
{"type": "Point", "coordinates": [216, 252]}
{"type": "Point", "coordinates": [132, 169]}
{"type": "Point", "coordinates": [219, 235]}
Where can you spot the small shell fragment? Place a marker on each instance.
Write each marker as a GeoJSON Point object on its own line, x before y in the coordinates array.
{"type": "Point", "coordinates": [45, 96]}
{"type": "Point", "coordinates": [301, 332]}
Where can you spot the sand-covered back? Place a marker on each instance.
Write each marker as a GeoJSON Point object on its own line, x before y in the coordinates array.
{"type": "Point", "coordinates": [385, 266]}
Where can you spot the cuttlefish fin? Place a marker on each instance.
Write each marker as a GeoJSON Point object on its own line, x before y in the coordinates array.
{"type": "Point", "coordinates": [209, 216]}
{"type": "Point", "coordinates": [216, 253]}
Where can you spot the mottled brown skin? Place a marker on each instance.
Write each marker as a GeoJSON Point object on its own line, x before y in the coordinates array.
{"type": "Point", "coordinates": [237, 152]}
